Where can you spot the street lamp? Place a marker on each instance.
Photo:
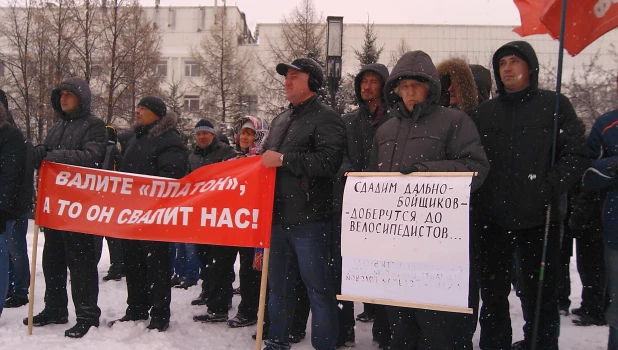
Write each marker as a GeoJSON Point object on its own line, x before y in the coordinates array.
{"type": "Point", "coordinates": [334, 50]}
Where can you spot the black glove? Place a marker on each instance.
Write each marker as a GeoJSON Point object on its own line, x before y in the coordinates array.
{"type": "Point", "coordinates": [408, 170]}
{"type": "Point", "coordinates": [38, 154]}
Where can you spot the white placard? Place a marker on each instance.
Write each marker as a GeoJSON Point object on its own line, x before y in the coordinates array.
{"type": "Point", "coordinates": [405, 239]}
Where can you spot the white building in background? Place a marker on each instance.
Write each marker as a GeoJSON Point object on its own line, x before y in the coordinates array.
{"type": "Point", "coordinates": [183, 28]}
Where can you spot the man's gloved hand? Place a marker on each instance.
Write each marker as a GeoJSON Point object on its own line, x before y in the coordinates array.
{"type": "Point", "coordinates": [38, 154]}
{"type": "Point", "coordinates": [408, 170]}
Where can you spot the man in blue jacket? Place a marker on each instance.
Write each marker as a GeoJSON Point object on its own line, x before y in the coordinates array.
{"type": "Point", "coordinates": [603, 174]}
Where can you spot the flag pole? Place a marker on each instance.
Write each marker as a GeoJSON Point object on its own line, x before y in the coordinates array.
{"type": "Point", "coordinates": [35, 243]}
{"type": "Point", "coordinates": [260, 323]}
{"type": "Point", "coordinates": [539, 294]}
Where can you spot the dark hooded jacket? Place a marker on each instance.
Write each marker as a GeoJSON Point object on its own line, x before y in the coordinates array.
{"type": "Point", "coordinates": [156, 149]}
{"type": "Point", "coordinates": [431, 137]}
{"type": "Point", "coordinates": [13, 164]}
{"type": "Point", "coordinates": [311, 138]}
{"type": "Point", "coordinates": [78, 138]}
{"type": "Point", "coordinates": [360, 128]}
{"type": "Point", "coordinates": [216, 152]}
{"type": "Point", "coordinates": [516, 131]}
{"type": "Point", "coordinates": [482, 79]}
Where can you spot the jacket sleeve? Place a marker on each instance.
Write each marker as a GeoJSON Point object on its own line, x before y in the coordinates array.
{"type": "Point", "coordinates": [464, 152]}
{"type": "Point", "coordinates": [12, 167]}
{"type": "Point", "coordinates": [117, 159]}
{"type": "Point", "coordinates": [603, 170]}
{"type": "Point", "coordinates": [325, 158]}
{"type": "Point", "coordinates": [346, 164]}
{"type": "Point", "coordinates": [91, 152]}
{"type": "Point", "coordinates": [571, 156]}
{"type": "Point", "coordinates": [172, 159]}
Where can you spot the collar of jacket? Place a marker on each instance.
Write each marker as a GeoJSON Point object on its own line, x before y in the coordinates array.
{"type": "Point", "coordinates": [420, 110]}
{"type": "Point", "coordinates": [513, 98]}
{"type": "Point", "coordinates": [214, 145]}
{"type": "Point", "coordinates": [142, 130]}
{"type": "Point", "coordinates": [298, 109]}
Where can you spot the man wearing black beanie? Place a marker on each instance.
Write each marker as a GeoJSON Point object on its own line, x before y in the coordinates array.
{"type": "Point", "coordinates": [157, 150]}
{"type": "Point", "coordinates": [517, 132]}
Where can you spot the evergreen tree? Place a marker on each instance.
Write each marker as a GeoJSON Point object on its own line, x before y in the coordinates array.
{"type": "Point", "coordinates": [369, 53]}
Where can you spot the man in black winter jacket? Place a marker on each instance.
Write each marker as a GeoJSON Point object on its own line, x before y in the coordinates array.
{"type": "Point", "coordinates": [305, 144]}
{"type": "Point", "coordinates": [77, 138]}
{"type": "Point", "coordinates": [156, 150]}
{"type": "Point", "coordinates": [516, 131]}
{"type": "Point", "coordinates": [360, 128]}
{"type": "Point", "coordinates": [13, 156]}
{"type": "Point", "coordinates": [218, 261]}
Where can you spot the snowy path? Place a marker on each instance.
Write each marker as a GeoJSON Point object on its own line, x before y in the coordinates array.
{"type": "Point", "coordinates": [186, 334]}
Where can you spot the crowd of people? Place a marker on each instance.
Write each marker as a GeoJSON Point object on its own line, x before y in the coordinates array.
{"type": "Point", "coordinates": [417, 118]}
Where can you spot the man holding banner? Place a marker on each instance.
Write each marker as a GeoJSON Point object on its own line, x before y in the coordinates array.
{"type": "Point", "coordinates": [424, 137]}
{"type": "Point", "coordinates": [77, 138]}
{"type": "Point", "coordinates": [156, 150]}
{"type": "Point", "coordinates": [305, 144]}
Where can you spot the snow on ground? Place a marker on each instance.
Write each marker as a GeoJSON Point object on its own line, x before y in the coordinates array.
{"type": "Point", "coordinates": [184, 333]}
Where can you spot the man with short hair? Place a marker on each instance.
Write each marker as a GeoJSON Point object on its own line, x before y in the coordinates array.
{"type": "Point", "coordinates": [305, 144]}
{"type": "Point", "coordinates": [425, 137]}
{"type": "Point", "coordinates": [77, 138]}
{"type": "Point", "coordinates": [360, 127]}
{"type": "Point", "coordinates": [157, 150]}
{"type": "Point", "coordinates": [517, 132]}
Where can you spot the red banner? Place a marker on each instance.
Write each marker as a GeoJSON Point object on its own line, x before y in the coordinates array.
{"type": "Point", "coordinates": [228, 203]}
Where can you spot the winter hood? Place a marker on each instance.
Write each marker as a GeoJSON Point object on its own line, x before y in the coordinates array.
{"type": "Point", "coordinates": [261, 132]}
{"type": "Point", "coordinates": [462, 82]}
{"type": "Point", "coordinates": [81, 89]}
{"type": "Point", "coordinates": [482, 79]}
{"type": "Point", "coordinates": [414, 64]}
{"type": "Point", "coordinates": [377, 68]}
{"type": "Point", "coordinates": [529, 55]}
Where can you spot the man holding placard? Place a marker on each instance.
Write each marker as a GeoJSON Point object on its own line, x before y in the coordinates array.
{"type": "Point", "coordinates": [305, 144]}
{"type": "Point", "coordinates": [424, 137]}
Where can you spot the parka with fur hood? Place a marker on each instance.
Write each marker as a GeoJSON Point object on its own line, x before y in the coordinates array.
{"type": "Point", "coordinates": [431, 137]}
{"type": "Point", "coordinates": [156, 149]}
{"type": "Point", "coordinates": [460, 76]}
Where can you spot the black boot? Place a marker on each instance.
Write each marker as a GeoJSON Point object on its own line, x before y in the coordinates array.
{"type": "Point", "coordinates": [46, 317]}
{"type": "Point", "coordinates": [211, 317]}
{"type": "Point", "coordinates": [15, 301]}
{"type": "Point", "coordinates": [113, 276]}
{"type": "Point", "coordinates": [200, 300]}
{"type": "Point", "coordinates": [160, 325]}
{"type": "Point", "coordinates": [241, 320]}
{"type": "Point", "coordinates": [127, 318]}
{"type": "Point", "coordinates": [79, 330]}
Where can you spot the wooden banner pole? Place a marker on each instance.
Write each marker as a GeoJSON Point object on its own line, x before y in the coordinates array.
{"type": "Point", "coordinates": [35, 243]}
{"type": "Point", "coordinates": [262, 308]}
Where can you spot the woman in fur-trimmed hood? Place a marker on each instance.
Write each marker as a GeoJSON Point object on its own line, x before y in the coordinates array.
{"type": "Point", "coordinates": [458, 86]}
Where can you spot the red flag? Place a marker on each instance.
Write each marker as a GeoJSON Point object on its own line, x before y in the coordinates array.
{"type": "Point", "coordinates": [587, 20]}
{"type": "Point", "coordinates": [530, 12]}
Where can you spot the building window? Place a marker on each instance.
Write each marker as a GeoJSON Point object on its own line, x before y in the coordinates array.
{"type": "Point", "coordinates": [162, 69]}
{"type": "Point", "coordinates": [192, 69]}
{"type": "Point", "coordinates": [192, 103]}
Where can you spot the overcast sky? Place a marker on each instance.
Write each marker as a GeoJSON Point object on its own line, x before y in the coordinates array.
{"type": "Point", "coordinates": [489, 12]}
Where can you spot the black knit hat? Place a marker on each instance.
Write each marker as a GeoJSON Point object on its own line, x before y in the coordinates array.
{"type": "Point", "coordinates": [154, 104]}
{"type": "Point", "coordinates": [305, 65]}
{"type": "Point", "coordinates": [204, 125]}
